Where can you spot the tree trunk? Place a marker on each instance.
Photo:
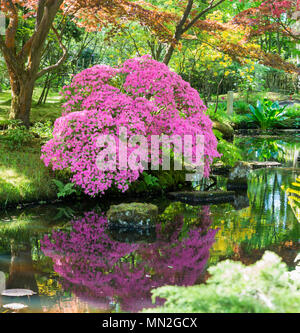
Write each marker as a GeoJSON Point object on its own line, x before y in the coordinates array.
{"type": "Point", "coordinates": [169, 54]}
{"type": "Point", "coordinates": [22, 91]}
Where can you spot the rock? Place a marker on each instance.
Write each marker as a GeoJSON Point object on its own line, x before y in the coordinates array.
{"type": "Point", "coordinates": [238, 176]}
{"type": "Point", "coordinates": [15, 306]}
{"type": "Point", "coordinates": [219, 169]}
{"type": "Point", "coordinates": [241, 201]}
{"type": "Point", "coordinates": [17, 292]}
{"type": "Point", "coordinates": [225, 129]}
{"type": "Point", "coordinates": [289, 102]}
{"type": "Point", "coordinates": [267, 164]}
{"type": "Point", "coordinates": [132, 216]}
{"type": "Point", "coordinates": [203, 198]}
{"type": "Point", "coordinates": [124, 235]}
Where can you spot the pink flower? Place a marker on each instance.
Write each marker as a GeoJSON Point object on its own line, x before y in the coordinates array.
{"type": "Point", "coordinates": [151, 101]}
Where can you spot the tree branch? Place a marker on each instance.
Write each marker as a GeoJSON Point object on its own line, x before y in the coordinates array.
{"type": "Point", "coordinates": [179, 28]}
{"type": "Point", "coordinates": [212, 5]}
{"type": "Point", "coordinates": [44, 21]}
{"type": "Point", "coordinates": [60, 61]}
{"type": "Point", "coordinates": [40, 13]}
{"type": "Point", "coordinates": [178, 31]}
{"type": "Point", "coordinates": [12, 27]}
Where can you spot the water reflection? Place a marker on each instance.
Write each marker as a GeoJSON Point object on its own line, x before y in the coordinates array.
{"type": "Point", "coordinates": [268, 219]}
{"type": "Point", "coordinates": [268, 148]}
{"type": "Point", "coordinates": [114, 275]}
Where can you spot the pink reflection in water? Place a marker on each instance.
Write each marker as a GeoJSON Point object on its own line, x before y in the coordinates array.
{"type": "Point", "coordinates": [103, 272]}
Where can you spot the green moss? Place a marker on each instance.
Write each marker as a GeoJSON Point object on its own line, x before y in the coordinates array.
{"type": "Point", "coordinates": [134, 214]}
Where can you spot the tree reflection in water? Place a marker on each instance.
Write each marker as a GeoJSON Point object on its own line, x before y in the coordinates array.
{"type": "Point", "coordinates": [283, 150]}
{"type": "Point", "coordinates": [293, 193]}
{"type": "Point", "coordinates": [103, 271]}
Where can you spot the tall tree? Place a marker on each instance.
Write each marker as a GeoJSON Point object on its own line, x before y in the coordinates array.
{"type": "Point", "coordinates": [23, 59]}
{"type": "Point", "coordinates": [260, 17]}
{"type": "Point", "coordinates": [192, 13]}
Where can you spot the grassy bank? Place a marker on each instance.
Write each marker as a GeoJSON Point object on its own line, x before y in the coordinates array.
{"type": "Point", "coordinates": [23, 176]}
{"type": "Point", "coordinates": [40, 113]}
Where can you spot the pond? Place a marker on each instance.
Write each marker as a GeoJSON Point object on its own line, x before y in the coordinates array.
{"type": "Point", "coordinates": [76, 264]}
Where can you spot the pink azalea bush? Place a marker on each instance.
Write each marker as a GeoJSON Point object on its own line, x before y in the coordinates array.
{"type": "Point", "coordinates": [145, 97]}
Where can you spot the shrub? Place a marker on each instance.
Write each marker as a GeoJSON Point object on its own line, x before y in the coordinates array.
{"type": "Point", "coordinates": [267, 114]}
{"type": "Point", "coordinates": [229, 151]}
{"type": "Point", "coordinates": [145, 97]}
{"type": "Point", "coordinates": [266, 286]}
{"type": "Point", "coordinates": [241, 107]}
{"type": "Point", "coordinates": [16, 135]}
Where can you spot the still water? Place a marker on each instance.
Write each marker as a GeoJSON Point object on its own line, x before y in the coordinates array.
{"type": "Point", "coordinates": [72, 261]}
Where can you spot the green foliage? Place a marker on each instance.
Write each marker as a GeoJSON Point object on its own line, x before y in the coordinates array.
{"type": "Point", "coordinates": [64, 190]}
{"type": "Point", "coordinates": [16, 135]}
{"type": "Point", "coordinates": [241, 107]}
{"type": "Point", "coordinates": [265, 287]}
{"type": "Point", "coordinates": [4, 78]}
{"type": "Point", "coordinates": [150, 180]}
{"type": "Point", "coordinates": [293, 111]}
{"type": "Point", "coordinates": [267, 114]}
{"type": "Point", "coordinates": [42, 129]}
{"type": "Point", "coordinates": [64, 212]}
{"type": "Point", "coordinates": [229, 151]}
{"type": "Point", "coordinates": [293, 193]}
{"type": "Point", "coordinates": [221, 113]}
{"type": "Point", "coordinates": [293, 114]}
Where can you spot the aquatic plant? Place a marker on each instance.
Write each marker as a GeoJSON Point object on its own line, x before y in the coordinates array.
{"type": "Point", "coordinates": [145, 97]}
{"type": "Point", "coordinates": [267, 114]}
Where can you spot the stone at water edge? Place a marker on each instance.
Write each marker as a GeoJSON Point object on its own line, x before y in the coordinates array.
{"type": "Point", "coordinates": [225, 129]}
{"type": "Point", "coordinates": [129, 235]}
{"type": "Point", "coordinates": [17, 292]}
{"type": "Point", "coordinates": [264, 165]}
{"type": "Point", "coordinates": [132, 215]}
{"type": "Point", "coordinates": [203, 197]}
{"type": "Point", "coordinates": [238, 176]}
{"type": "Point", "coordinates": [15, 306]}
{"type": "Point", "coordinates": [241, 200]}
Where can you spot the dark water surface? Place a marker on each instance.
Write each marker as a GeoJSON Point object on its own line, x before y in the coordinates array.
{"type": "Point", "coordinates": [77, 265]}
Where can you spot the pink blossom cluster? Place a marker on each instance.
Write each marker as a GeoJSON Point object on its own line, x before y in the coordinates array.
{"type": "Point", "coordinates": [100, 269]}
{"type": "Point", "coordinates": [143, 96]}
{"type": "Point", "coordinates": [278, 7]}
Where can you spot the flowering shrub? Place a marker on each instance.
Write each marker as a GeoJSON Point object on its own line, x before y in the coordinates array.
{"type": "Point", "coordinates": [265, 287]}
{"type": "Point", "coordinates": [143, 96]}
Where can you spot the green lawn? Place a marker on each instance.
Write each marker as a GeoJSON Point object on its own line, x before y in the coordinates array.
{"type": "Point", "coordinates": [49, 111]}
{"type": "Point", "coordinates": [253, 96]}
{"type": "Point", "coordinates": [23, 176]}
